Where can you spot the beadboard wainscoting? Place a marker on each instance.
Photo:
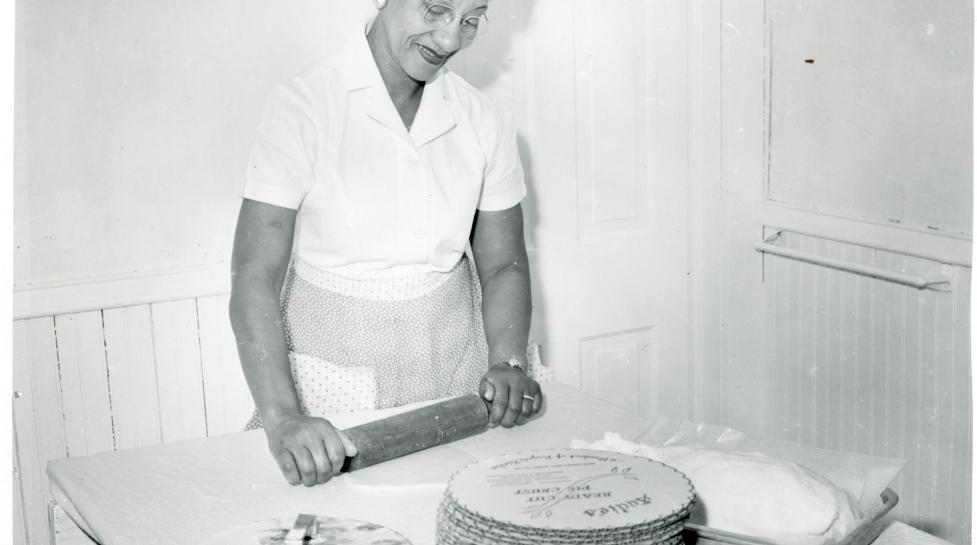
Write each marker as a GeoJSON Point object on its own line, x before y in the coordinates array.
{"type": "Point", "coordinates": [868, 365]}
{"type": "Point", "coordinates": [95, 380]}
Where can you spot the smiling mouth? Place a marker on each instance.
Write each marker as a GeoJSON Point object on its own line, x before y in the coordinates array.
{"type": "Point", "coordinates": [431, 56]}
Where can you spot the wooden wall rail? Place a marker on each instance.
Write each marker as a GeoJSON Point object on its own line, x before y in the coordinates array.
{"type": "Point", "coordinates": [123, 290]}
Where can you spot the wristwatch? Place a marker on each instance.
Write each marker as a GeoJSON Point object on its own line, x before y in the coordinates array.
{"type": "Point", "coordinates": [513, 362]}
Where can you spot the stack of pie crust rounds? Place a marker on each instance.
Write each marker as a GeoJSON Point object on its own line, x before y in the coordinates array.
{"type": "Point", "coordinates": [565, 496]}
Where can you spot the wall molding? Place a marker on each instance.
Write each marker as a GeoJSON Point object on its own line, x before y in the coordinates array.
{"type": "Point", "coordinates": [704, 166]}
{"type": "Point", "coordinates": [123, 290]}
{"type": "Point", "coordinates": [940, 247]}
{"type": "Point", "coordinates": [81, 295]}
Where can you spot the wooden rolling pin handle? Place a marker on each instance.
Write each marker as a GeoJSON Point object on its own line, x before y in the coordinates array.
{"type": "Point", "coordinates": [408, 432]}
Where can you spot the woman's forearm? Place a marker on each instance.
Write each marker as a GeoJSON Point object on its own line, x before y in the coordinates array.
{"type": "Point", "coordinates": [507, 312]}
{"type": "Point", "coordinates": [256, 319]}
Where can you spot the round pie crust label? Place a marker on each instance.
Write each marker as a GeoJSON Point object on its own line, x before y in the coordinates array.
{"type": "Point", "coordinates": [572, 489]}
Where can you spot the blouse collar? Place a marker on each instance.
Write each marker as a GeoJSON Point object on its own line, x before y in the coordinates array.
{"type": "Point", "coordinates": [359, 72]}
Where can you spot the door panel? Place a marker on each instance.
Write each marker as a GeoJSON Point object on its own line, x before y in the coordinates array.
{"type": "Point", "coordinates": [600, 102]}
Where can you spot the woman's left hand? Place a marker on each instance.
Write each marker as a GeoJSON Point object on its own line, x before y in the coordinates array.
{"type": "Point", "coordinates": [514, 395]}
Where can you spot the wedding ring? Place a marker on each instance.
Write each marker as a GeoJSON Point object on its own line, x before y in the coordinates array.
{"type": "Point", "coordinates": [530, 398]}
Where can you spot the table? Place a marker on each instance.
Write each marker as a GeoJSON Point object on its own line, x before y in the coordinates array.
{"type": "Point", "coordinates": [183, 493]}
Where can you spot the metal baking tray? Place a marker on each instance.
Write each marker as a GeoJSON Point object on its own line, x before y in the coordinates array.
{"type": "Point", "coordinates": [863, 534]}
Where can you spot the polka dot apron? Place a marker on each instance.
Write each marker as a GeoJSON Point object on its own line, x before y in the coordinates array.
{"type": "Point", "coordinates": [361, 344]}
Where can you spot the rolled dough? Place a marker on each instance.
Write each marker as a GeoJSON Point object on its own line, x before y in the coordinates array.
{"type": "Point", "coordinates": [751, 493]}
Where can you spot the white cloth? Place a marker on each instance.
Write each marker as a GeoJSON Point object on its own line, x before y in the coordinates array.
{"type": "Point", "coordinates": [184, 492]}
{"type": "Point", "coordinates": [374, 199]}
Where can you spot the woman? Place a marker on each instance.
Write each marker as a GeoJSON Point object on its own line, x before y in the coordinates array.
{"type": "Point", "coordinates": [371, 173]}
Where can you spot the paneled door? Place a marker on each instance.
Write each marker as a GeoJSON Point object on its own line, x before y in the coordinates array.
{"type": "Point", "coordinates": [598, 92]}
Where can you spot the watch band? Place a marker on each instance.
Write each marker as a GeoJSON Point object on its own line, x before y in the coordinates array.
{"type": "Point", "coordinates": [513, 362]}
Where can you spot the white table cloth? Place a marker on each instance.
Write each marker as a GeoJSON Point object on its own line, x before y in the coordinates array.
{"type": "Point", "coordinates": [183, 493]}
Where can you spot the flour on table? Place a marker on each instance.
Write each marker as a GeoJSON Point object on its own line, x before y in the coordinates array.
{"type": "Point", "coordinates": [751, 493]}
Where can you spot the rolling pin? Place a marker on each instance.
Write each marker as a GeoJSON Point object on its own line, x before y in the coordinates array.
{"type": "Point", "coordinates": [415, 430]}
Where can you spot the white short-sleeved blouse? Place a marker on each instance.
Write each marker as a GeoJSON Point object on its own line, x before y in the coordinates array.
{"type": "Point", "coordinates": [375, 200]}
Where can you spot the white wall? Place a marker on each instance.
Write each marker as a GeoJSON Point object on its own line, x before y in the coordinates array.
{"type": "Point", "coordinates": [134, 124]}
{"type": "Point", "coordinates": [870, 111]}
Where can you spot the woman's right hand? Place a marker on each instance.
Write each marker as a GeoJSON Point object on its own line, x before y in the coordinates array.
{"type": "Point", "coordinates": [309, 450]}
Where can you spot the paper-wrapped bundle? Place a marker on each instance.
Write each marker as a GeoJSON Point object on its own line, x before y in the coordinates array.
{"type": "Point", "coordinates": [751, 493]}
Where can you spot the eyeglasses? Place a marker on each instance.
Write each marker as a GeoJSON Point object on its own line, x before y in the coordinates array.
{"type": "Point", "coordinates": [443, 15]}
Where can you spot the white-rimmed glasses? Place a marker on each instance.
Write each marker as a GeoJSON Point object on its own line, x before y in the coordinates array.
{"type": "Point", "coordinates": [443, 14]}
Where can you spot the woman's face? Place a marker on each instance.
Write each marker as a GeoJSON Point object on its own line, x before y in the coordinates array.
{"type": "Point", "coordinates": [421, 35]}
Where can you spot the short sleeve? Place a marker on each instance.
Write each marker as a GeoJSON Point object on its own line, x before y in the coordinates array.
{"type": "Point", "coordinates": [280, 166]}
{"type": "Point", "coordinates": [504, 183]}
